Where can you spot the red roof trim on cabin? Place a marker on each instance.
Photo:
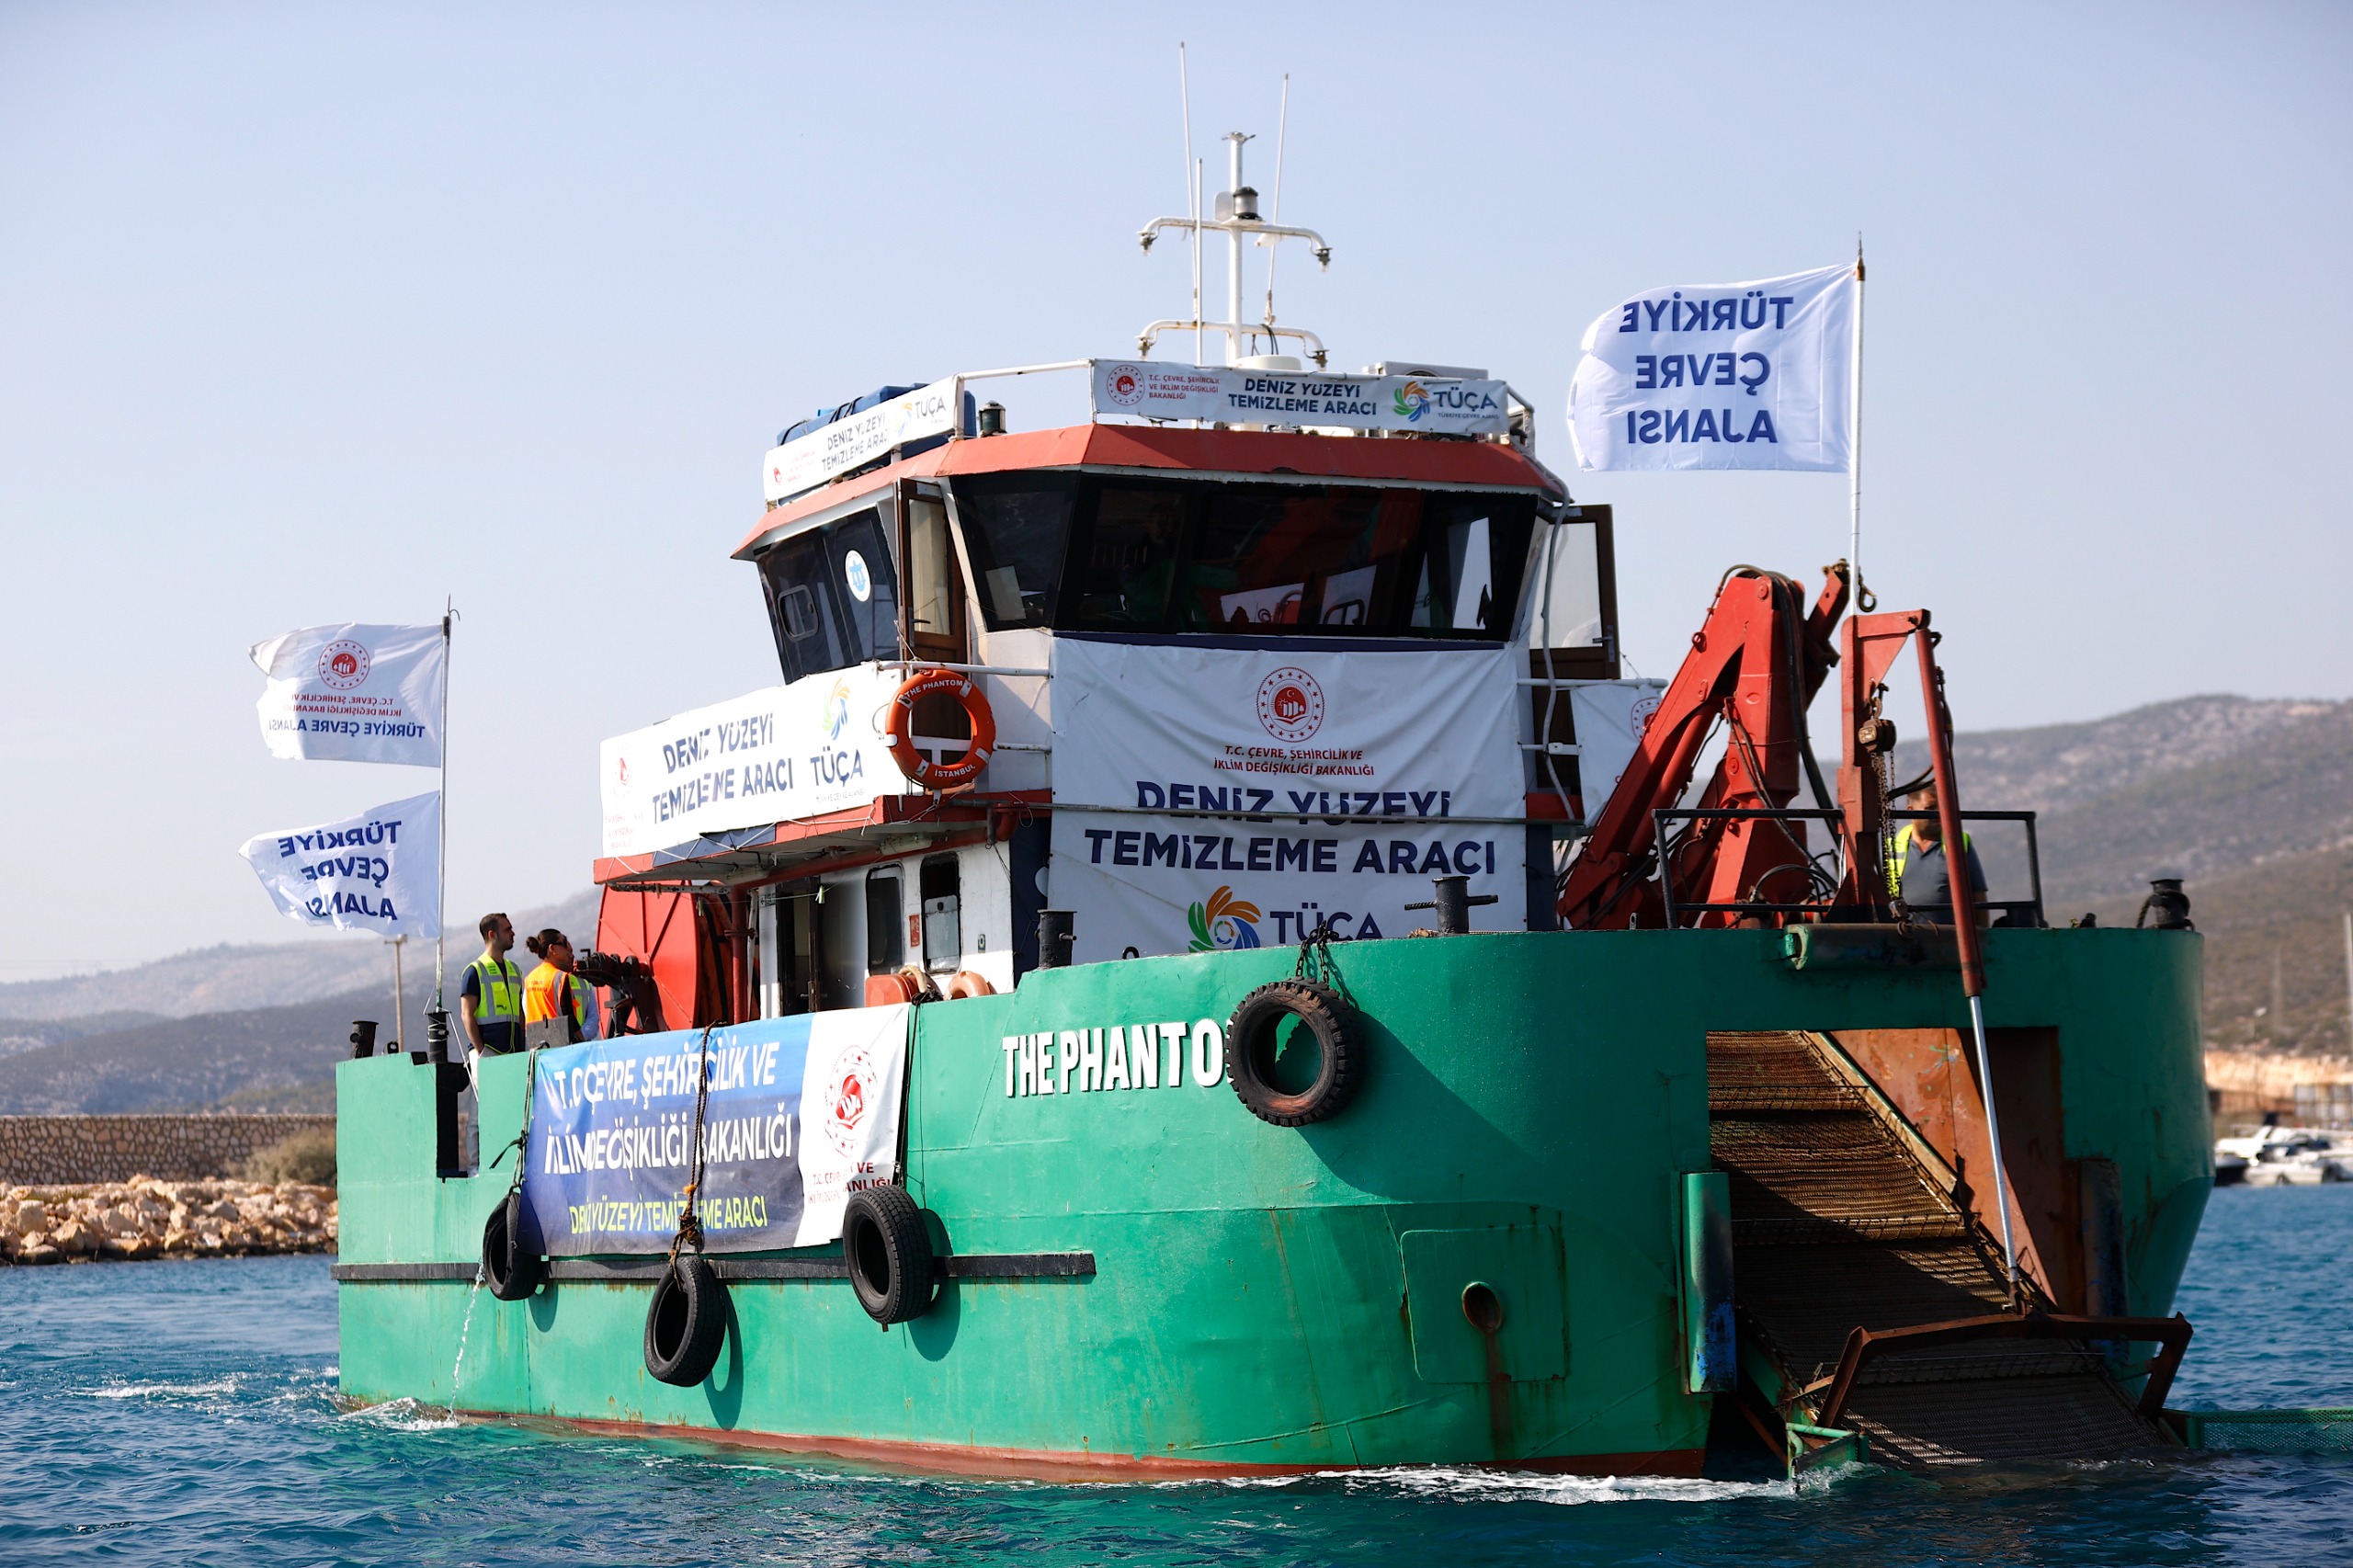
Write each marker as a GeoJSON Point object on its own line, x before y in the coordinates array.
{"type": "Point", "coordinates": [1185, 450]}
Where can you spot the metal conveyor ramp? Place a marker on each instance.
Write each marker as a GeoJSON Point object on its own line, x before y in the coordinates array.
{"type": "Point", "coordinates": [1840, 1223]}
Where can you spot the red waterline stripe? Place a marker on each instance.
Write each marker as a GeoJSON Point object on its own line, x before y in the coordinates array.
{"type": "Point", "coordinates": [1045, 1464]}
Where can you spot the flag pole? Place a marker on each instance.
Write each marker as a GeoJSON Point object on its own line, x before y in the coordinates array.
{"type": "Point", "coordinates": [441, 878]}
{"type": "Point", "coordinates": [1855, 444]}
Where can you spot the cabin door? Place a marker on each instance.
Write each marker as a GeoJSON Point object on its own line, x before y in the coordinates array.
{"type": "Point", "coordinates": [933, 604]}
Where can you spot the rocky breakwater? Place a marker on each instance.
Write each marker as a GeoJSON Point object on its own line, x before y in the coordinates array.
{"type": "Point", "coordinates": [145, 1218]}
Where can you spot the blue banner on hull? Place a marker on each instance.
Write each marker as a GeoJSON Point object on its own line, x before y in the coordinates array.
{"type": "Point", "coordinates": [799, 1113]}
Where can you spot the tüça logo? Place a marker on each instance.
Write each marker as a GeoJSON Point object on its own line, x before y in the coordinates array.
{"type": "Point", "coordinates": [1290, 705]}
{"type": "Point", "coordinates": [343, 664]}
{"type": "Point", "coordinates": [1124, 385]}
{"type": "Point", "coordinates": [834, 717]}
{"type": "Point", "coordinates": [1224, 923]}
{"type": "Point", "coordinates": [1413, 402]}
{"type": "Point", "coordinates": [849, 1094]}
{"type": "Point", "coordinates": [621, 768]}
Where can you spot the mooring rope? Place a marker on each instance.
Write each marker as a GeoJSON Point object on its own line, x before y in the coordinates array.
{"type": "Point", "coordinates": [520, 1145]}
{"type": "Point", "coordinates": [690, 1222]}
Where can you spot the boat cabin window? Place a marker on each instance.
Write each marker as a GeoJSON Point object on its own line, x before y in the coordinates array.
{"type": "Point", "coordinates": [928, 577]}
{"type": "Point", "coordinates": [886, 946]}
{"type": "Point", "coordinates": [1571, 617]}
{"type": "Point", "coordinates": [1017, 530]}
{"type": "Point", "coordinates": [833, 596]}
{"type": "Point", "coordinates": [1116, 555]}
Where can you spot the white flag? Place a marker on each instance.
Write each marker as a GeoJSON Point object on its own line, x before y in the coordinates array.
{"type": "Point", "coordinates": [354, 693]}
{"type": "Point", "coordinates": [371, 872]}
{"type": "Point", "coordinates": [1734, 375]}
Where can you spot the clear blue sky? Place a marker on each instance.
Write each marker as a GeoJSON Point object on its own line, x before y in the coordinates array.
{"type": "Point", "coordinates": [311, 314]}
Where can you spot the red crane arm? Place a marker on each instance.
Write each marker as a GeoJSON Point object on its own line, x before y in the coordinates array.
{"type": "Point", "coordinates": [1756, 664]}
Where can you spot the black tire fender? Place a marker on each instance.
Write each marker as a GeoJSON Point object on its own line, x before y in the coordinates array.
{"type": "Point", "coordinates": [686, 1322]}
{"type": "Point", "coordinates": [511, 1265]}
{"type": "Point", "coordinates": [1250, 1038]}
{"type": "Point", "coordinates": [892, 1264]}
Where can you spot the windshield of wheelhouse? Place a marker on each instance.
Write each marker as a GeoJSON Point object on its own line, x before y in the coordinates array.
{"type": "Point", "coordinates": [833, 596]}
{"type": "Point", "coordinates": [1116, 555]}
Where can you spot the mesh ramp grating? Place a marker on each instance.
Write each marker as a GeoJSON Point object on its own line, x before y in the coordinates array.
{"type": "Point", "coordinates": [1837, 1225]}
{"type": "Point", "coordinates": [2269, 1431]}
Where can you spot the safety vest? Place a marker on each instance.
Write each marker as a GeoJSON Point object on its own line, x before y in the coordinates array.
{"type": "Point", "coordinates": [1896, 865]}
{"type": "Point", "coordinates": [498, 997]}
{"type": "Point", "coordinates": [541, 990]}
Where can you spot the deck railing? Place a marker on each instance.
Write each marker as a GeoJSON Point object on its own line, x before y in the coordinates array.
{"type": "Point", "coordinates": [1826, 877]}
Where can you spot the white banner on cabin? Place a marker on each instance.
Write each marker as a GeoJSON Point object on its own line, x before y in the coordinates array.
{"type": "Point", "coordinates": [1225, 395]}
{"type": "Point", "coordinates": [372, 872]}
{"type": "Point", "coordinates": [810, 460]}
{"type": "Point", "coordinates": [1158, 884]}
{"type": "Point", "coordinates": [1721, 375]}
{"type": "Point", "coordinates": [792, 751]}
{"type": "Point", "coordinates": [1329, 777]}
{"type": "Point", "coordinates": [354, 693]}
{"type": "Point", "coordinates": [1609, 716]}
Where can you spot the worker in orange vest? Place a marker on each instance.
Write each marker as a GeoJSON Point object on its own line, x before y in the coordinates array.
{"type": "Point", "coordinates": [550, 991]}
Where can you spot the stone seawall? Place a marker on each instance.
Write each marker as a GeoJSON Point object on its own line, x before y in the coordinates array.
{"type": "Point", "coordinates": [2249, 1083]}
{"type": "Point", "coordinates": [96, 1222]}
{"type": "Point", "coordinates": [44, 1150]}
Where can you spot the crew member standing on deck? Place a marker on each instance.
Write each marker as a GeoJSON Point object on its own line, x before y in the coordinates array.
{"type": "Point", "coordinates": [550, 991]}
{"type": "Point", "coordinates": [1921, 875]}
{"type": "Point", "coordinates": [493, 992]}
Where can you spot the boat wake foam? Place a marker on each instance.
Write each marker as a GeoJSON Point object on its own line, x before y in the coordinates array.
{"type": "Point", "coordinates": [165, 1391]}
{"type": "Point", "coordinates": [403, 1415]}
{"type": "Point", "coordinates": [1522, 1487]}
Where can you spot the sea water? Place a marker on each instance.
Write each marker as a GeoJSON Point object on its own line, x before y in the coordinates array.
{"type": "Point", "coordinates": [186, 1413]}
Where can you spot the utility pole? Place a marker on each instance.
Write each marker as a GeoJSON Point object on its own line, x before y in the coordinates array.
{"type": "Point", "coordinates": [2348, 970]}
{"type": "Point", "coordinates": [2279, 1009]}
{"type": "Point", "coordinates": [400, 989]}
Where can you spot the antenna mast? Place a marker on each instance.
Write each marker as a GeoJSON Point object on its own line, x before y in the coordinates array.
{"type": "Point", "coordinates": [1236, 217]}
{"type": "Point", "coordinates": [1275, 212]}
{"type": "Point", "coordinates": [1192, 192]}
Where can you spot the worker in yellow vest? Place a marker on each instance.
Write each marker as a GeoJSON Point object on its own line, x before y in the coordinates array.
{"type": "Point", "coordinates": [492, 993]}
{"type": "Point", "coordinates": [1917, 872]}
{"type": "Point", "coordinates": [550, 991]}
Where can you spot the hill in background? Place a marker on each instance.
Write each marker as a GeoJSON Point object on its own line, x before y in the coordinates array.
{"type": "Point", "coordinates": [2250, 801]}
{"type": "Point", "coordinates": [256, 1059]}
{"type": "Point", "coordinates": [18, 1035]}
{"type": "Point", "coordinates": [230, 978]}
{"type": "Point", "coordinates": [255, 1028]}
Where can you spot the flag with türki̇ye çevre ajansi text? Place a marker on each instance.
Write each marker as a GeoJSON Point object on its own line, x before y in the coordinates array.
{"type": "Point", "coordinates": [1733, 375]}
{"type": "Point", "coordinates": [354, 693]}
{"type": "Point", "coordinates": [377, 872]}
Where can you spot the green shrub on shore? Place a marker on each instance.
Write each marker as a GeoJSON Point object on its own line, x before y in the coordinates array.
{"type": "Point", "coordinates": [307, 1157]}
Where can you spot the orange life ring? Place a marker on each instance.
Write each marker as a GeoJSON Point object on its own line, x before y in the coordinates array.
{"type": "Point", "coordinates": [899, 730]}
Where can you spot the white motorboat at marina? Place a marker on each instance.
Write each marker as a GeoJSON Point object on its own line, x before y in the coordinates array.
{"type": "Point", "coordinates": [2284, 1156]}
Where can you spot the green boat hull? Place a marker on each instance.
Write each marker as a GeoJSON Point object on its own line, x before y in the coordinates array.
{"type": "Point", "coordinates": [1265, 1299]}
